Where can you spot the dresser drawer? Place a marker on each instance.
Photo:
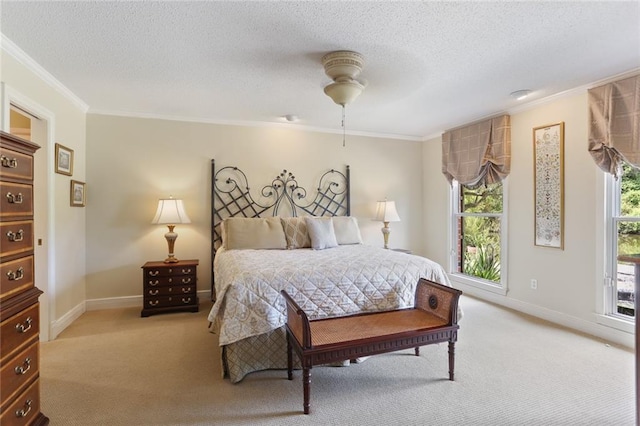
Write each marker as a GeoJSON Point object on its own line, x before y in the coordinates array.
{"type": "Point", "coordinates": [176, 290]}
{"type": "Point", "coordinates": [24, 409]}
{"type": "Point", "coordinates": [16, 200]}
{"type": "Point", "coordinates": [165, 301]}
{"type": "Point", "coordinates": [17, 372]}
{"type": "Point", "coordinates": [18, 331]}
{"type": "Point", "coordinates": [169, 281]}
{"type": "Point", "coordinates": [16, 237]}
{"type": "Point", "coordinates": [15, 165]}
{"type": "Point", "coordinates": [16, 276]}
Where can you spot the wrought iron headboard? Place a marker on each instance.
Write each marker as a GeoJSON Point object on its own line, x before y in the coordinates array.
{"type": "Point", "coordinates": [231, 197]}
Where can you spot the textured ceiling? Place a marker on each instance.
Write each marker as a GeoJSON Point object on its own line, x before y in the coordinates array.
{"type": "Point", "coordinates": [429, 65]}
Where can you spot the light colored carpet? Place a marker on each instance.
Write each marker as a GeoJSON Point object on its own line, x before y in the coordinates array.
{"type": "Point", "coordinates": [112, 367]}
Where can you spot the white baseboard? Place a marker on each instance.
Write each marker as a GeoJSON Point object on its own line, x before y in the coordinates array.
{"type": "Point", "coordinates": [601, 331]}
{"type": "Point", "coordinates": [65, 321]}
{"type": "Point", "coordinates": [58, 326]}
{"type": "Point", "coordinates": [114, 303]}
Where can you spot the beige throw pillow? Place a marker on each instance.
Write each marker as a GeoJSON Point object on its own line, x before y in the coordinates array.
{"type": "Point", "coordinates": [295, 230]}
{"type": "Point", "coordinates": [254, 233]}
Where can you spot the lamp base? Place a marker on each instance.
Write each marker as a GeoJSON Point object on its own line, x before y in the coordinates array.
{"type": "Point", "coordinates": [171, 240]}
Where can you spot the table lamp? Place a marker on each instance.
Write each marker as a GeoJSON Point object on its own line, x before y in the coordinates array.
{"type": "Point", "coordinates": [170, 212]}
{"type": "Point", "coordinates": [386, 212]}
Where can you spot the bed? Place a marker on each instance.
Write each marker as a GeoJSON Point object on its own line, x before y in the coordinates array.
{"type": "Point", "coordinates": [311, 249]}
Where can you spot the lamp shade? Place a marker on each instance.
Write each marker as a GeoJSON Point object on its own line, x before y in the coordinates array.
{"type": "Point", "coordinates": [170, 211]}
{"type": "Point", "coordinates": [386, 212]}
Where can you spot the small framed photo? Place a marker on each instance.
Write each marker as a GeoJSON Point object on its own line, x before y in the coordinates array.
{"type": "Point", "coordinates": [64, 160]}
{"type": "Point", "coordinates": [78, 194]}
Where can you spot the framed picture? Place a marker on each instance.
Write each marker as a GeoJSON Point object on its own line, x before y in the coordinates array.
{"type": "Point", "coordinates": [64, 160]}
{"type": "Point", "coordinates": [548, 181]}
{"type": "Point", "coordinates": [78, 194]}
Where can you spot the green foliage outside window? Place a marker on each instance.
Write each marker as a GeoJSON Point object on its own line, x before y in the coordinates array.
{"type": "Point", "coordinates": [481, 234]}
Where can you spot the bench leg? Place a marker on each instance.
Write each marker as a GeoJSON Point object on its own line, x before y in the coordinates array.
{"type": "Point", "coordinates": [452, 352]}
{"type": "Point", "coordinates": [289, 359]}
{"type": "Point", "coordinates": [306, 384]}
{"type": "Point", "coordinates": [417, 350]}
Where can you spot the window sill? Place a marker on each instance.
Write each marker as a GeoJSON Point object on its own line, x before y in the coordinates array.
{"type": "Point", "coordinates": [621, 324]}
{"type": "Point", "coordinates": [481, 284]}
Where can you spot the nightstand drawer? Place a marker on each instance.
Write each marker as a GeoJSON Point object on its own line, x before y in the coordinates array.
{"type": "Point", "coordinates": [16, 276]}
{"type": "Point", "coordinates": [169, 281]}
{"type": "Point", "coordinates": [179, 290]}
{"type": "Point", "coordinates": [17, 372]}
{"type": "Point", "coordinates": [165, 301]}
{"type": "Point", "coordinates": [16, 200]}
{"type": "Point", "coordinates": [169, 271]}
{"type": "Point", "coordinates": [24, 409]}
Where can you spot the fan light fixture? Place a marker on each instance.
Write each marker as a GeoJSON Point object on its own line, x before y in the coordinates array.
{"type": "Point", "coordinates": [343, 66]}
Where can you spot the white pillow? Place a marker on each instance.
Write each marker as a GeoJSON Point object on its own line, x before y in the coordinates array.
{"type": "Point", "coordinates": [254, 233]}
{"type": "Point", "coordinates": [346, 230]}
{"type": "Point", "coordinates": [321, 232]}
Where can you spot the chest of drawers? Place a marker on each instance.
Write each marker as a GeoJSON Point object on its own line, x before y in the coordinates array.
{"type": "Point", "coordinates": [169, 287]}
{"type": "Point", "coordinates": [19, 306]}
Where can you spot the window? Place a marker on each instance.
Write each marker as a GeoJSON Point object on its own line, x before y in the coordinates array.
{"type": "Point", "coordinates": [623, 238]}
{"type": "Point", "coordinates": [479, 235]}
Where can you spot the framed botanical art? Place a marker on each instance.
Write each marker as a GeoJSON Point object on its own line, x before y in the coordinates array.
{"type": "Point", "coordinates": [64, 160]}
{"type": "Point", "coordinates": [548, 181]}
{"type": "Point", "coordinates": [78, 194]}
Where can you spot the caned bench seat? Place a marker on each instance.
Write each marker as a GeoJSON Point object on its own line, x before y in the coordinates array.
{"type": "Point", "coordinates": [433, 319]}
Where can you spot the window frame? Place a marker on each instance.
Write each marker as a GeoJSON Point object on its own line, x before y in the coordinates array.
{"type": "Point", "coordinates": [498, 288]}
{"type": "Point", "coordinates": [608, 314]}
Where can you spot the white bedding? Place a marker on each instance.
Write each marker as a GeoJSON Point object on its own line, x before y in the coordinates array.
{"type": "Point", "coordinates": [338, 281]}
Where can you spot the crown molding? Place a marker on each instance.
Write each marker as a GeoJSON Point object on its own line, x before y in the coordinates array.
{"type": "Point", "coordinates": [242, 123]}
{"type": "Point", "coordinates": [18, 54]}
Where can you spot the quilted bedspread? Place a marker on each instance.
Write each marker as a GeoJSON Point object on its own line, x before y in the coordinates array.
{"type": "Point", "coordinates": [325, 283]}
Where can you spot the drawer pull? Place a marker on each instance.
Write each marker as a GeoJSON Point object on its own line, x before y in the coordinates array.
{"type": "Point", "coordinates": [154, 283]}
{"type": "Point", "coordinates": [25, 409]}
{"type": "Point", "coordinates": [187, 300]}
{"type": "Point", "coordinates": [17, 275]}
{"type": "Point", "coordinates": [153, 302]}
{"type": "Point", "coordinates": [9, 162]}
{"type": "Point", "coordinates": [186, 271]}
{"type": "Point", "coordinates": [15, 237]}
{"type": "Point", "coordinates": [22, 369]}
{"type": "Point", "coordinates": [154, 292]}
{"type": "Point", "coordinates": [186, 289]}
{"type": "Point", "coordinates": [154, 273]}
{"type": "Point", "coordinates": [14, 199]}
{"type": "Point", "coordinates": [186, 280]}
{"type": "Point", "coordinates": [25, 326]}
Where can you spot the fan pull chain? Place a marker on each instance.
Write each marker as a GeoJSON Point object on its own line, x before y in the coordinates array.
{"type": "Point", "coordinates": [344, 130]}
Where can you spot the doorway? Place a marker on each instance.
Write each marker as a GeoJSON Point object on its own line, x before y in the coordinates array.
{"type": "Point", "coordinates": [30, 121]}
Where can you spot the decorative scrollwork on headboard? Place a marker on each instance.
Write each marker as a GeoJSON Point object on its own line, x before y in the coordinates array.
{"type": "Point", "coordinates": [231, 197]}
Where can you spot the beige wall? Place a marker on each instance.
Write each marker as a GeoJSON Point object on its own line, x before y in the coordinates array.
{"type": "Point", "coordinates": [65, 244]}
{"type": "Point", "coordinates": [131, 162]}
{"type": "Point", "coordinates": [567, 279]}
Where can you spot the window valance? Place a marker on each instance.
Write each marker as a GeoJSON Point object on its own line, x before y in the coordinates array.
{"type": "Point", "coordinates": [614, 124]}
{"type": "Point", "coordinates": [478, 153]}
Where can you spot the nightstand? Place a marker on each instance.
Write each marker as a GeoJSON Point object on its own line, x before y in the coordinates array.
{"type": "Point", "coordinates": [407, 251]}
{"type": "Point", "coordinates": [169, 287]}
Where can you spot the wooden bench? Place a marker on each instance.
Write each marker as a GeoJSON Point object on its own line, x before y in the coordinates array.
{"type": "Point", "coordinates": [433, 319]}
